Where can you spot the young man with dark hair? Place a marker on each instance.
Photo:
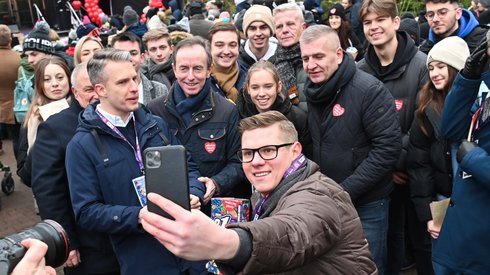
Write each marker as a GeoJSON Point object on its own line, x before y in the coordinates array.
{"type": "Point", "coordinates": [158, 63]}
{"type": "Point", "coordinates": [227, 74]}
{"type": "Point", "coordinates": [447, 18]}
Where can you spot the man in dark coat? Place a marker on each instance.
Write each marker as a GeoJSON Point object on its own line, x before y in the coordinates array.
{"type": "Point", "coordinates": [50, 183]}
{"type": "Point", "coordinates": [393, 58]}
{"type": "Point", "coordinates": [355, 131]}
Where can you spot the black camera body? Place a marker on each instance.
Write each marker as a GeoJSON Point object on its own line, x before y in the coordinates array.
{"type": "Point", "coordinates": [47, 231]}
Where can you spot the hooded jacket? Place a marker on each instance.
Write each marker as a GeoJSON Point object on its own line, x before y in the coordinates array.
{"type": "Point", "coordinates": [355, 131]}
{"type": "Point", "coordinates": [247, 58]}
{"type": "Point", "coordinates": [469, 30]}
{"type": "Point", "coordinates": [103, 197]}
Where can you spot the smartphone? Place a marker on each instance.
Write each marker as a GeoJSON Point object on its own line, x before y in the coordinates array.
{"type": "Point", "coordinates": [166, 174]}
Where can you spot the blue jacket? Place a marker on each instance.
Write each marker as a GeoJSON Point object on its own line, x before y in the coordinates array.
{"type": "Point", "coordinates": [464, 242]}
{"type": "Point", "coordinates": [215, 122]}
{"type": "Point", "coordinates": [103, 196]}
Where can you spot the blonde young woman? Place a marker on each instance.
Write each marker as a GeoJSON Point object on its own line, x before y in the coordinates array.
{"type": "Point", "coordinates": [51, 83]}
{"type": "Point", "coordinates": [86, 48]}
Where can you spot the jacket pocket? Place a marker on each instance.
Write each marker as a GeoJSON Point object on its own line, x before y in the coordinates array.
{"type": "Point", "coordinates": [212, 143]}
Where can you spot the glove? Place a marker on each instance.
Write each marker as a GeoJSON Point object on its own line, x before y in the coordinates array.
{"type": "Point", "coordinates": [476, 63]}
{"type": "Point", "coordinates": [465, 148]}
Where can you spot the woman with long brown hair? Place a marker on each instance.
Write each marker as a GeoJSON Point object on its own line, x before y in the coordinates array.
{"type": "Point", "coordinates": [51, 83]}
{"type": "Point", "coordinates": [429, 160]}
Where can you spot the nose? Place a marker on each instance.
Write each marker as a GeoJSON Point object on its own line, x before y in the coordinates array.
{"type": "Point", "coordinates": [257, 160]}
{"type": "Point", "coordinates": [226, 49]}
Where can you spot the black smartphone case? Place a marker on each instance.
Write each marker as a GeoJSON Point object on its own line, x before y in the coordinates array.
{"type": "Point", "coordinates": [170, 178]}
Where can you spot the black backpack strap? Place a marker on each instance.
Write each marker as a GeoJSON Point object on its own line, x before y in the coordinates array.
{"type": "Point", "coordinates": [101, 148]}
{"type": "Point", "coordinates": [164, 138]}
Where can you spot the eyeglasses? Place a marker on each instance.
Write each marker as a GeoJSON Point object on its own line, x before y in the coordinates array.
{"type": "Point", "coordinates": [440, 13]}
{"type": "Point", "coordinates": [267, 152]}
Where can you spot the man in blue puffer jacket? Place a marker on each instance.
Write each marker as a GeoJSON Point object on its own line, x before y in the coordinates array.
{"type": "Point", "coordinates": [104, 159]}
{"type": "Point", "coordinates": [463, 243]}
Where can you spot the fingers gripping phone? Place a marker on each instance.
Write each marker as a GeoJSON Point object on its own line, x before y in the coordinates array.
{"type": "Point", "coordinates": [166, 174]}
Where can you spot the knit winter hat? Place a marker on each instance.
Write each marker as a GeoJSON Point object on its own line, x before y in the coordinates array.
{"type": "Point", "coordinates": [38, 39]}
{"type": "Point", "coordinates": [85, 29]}
{"type": "Point", "coordinates": [410, 26]}
{"type": "Point", "coordinates": [338, 10]}
{"type": "Point", "coordinates": [258, 13]}
{"type": "Point", "coordinates": [195, 8]}
{"type": "Point", "coordinates": [130, 16]}
{"type": "Point", "coordinates": [452, 51]}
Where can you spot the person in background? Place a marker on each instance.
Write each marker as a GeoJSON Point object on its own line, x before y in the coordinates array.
{"type": "Point", "coordinates": [9, 72]}
{"type": "Point", "coordinates": [348, 39]}
{"type": "Point", "coordinates": [227, 74]}
{"type": "Point", "coordinates": [85, 49]}
{"type": "Point", "coordinates": [263, 92]}
{"type": "Point", "coordinates": [429, 156]}
{"type": "Point", "coordinates": [303, 222]}
{"type": "Point", "coordinates": [447, 18]}
{"type": "Point", "coordinates": [158, 63]}
{"type": "Point", "coordinates": [258, 26]}
{"type": "Point", "coordinates": [290, 23]}
{"type": "Point", "coordinates": [51, 83]}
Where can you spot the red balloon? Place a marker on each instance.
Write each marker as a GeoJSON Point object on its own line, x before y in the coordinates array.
{"type": "Point", "coordinates": [76, 5]}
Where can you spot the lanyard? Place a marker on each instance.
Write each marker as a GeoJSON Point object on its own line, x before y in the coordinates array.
{"type": "Point", "coordinates": [294, 166]}
{"type": "Point", "coordinates": [258, 210]}
{"type": "Point", "coordinates": [137, 151]}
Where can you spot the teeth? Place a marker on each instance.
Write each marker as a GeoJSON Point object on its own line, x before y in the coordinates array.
{"type": "Point", "coordinates": [261, 174]}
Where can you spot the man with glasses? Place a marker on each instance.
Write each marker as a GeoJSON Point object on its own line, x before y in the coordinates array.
{"type": "Point", "coordinates": [303, 222]}
{"type": "Point", "coordinates": [50, 183]}
{"type": "Point", "coordinates": [446, 18]}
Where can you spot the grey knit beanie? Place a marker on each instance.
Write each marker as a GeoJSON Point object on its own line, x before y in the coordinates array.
{"type": "Point", "coordinates": [130, 16]}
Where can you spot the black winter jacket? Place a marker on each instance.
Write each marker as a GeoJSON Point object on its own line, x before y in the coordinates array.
{"type": "Point", "coordinates": [428, 165]}
{"type": "Point", "coordinates": [214, 123]}
{"type": "Point", "coordinates": [50, 187]}
{"type": "Point", "coordinates": [355, 131]}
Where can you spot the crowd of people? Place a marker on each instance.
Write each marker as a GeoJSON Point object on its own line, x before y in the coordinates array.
{"type": "Point", "coordinates": [344, 126]}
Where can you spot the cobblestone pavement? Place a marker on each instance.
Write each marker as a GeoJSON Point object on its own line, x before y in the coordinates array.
{"type": "Point", "coordinates": [17, 209]}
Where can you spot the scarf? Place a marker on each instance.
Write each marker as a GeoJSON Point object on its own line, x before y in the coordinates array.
{"type": "Point", "coordinates": [187, 105]}
{"type": "Point", "coordinates": [287, 59]}
{"type": "Point", "coordinates": [226, 80]}
{"type": "Point", "coordinates": [319, 94]}
{"type": "Point", "coordinates": [301, 174]}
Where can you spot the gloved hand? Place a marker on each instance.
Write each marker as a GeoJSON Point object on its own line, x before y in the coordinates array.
{"type": "Point", "coordinates": [477, 62]}
{"type": "Point", "coordinates": [465, 148]}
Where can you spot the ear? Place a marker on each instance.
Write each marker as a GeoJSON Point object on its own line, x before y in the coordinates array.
{"type": "Point", "coordinates": [340, 55]}
{"type": "Point", "coordinates": [303, 25]}
{"type": "Point", "coordinates": [396, 22]}
{"type": "Point", "coordinates": [208, 73]}
{"type": "Point", "coordinates": [279, 87]}
{"type": "Point", "coordinates": [297, 149]}
{"type": "Point", "coordinates": [100, 90]}
{"type": "Point", "coordinates": [459, 13]}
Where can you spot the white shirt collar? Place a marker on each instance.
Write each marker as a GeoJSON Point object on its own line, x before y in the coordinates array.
{"type": "Point", "coordinates": [115, 120]}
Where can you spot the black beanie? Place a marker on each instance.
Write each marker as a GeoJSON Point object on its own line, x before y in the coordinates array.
{"type": "Point", "coordinates": [38, 39]}
{"type": "Point", "coordinates": [338, 10]}
{"type": "Point", "coordinates": [195, 8]}
{"type": "Point", "coordinates": [411, 27]}
{"type": "Point", "coordinates": [85, 29]}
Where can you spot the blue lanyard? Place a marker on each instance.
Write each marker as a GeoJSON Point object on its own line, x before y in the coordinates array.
{"type": "Point", "coordinates": [137, 151]}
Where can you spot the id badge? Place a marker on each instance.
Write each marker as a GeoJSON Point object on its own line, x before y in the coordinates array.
{"type": "Point", "coordinates": [140, 189]}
